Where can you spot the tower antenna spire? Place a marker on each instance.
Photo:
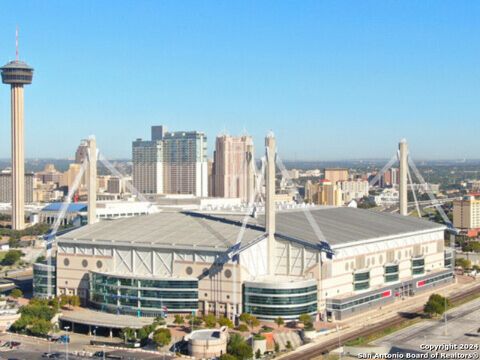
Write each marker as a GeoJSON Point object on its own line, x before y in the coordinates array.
{"type": "Point", "coordinates": [16, 44]}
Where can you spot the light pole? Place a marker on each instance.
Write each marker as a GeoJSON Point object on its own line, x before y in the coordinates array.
{"type": "Point", "coordinates": [446, 330]}
{"type": "Point", "coordinates": [66, 341]}
{"type": "Point", "coordinates": [339, 343]}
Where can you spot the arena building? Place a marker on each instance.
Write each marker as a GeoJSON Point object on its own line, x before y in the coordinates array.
{"type": "Point", "coordinates": [330, 262]}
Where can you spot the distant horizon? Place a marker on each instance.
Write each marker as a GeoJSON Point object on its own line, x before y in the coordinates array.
{"type": "Point", "coordinates": [258, 158]}
{"type": "Point", "coordinates": [333, 80]}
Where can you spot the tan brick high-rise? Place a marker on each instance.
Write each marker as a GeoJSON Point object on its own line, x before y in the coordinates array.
{"type": "Point", "coordinates": [17, 73]}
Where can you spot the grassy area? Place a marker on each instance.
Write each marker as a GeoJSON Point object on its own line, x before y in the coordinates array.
{"type": "Point", "coordinates": [364, 340]}
{"type": "Point", "coordinates": [465, 300]}
{"type": "Point", "coordinates": [2, 255]}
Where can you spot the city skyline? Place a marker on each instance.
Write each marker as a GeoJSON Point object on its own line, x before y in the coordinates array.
{"type": "Point", "coordinates": [405, 70]}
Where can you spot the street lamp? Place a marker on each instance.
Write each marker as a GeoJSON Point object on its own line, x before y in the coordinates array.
{"type": "Point", "coordinates": [66, 341]}
{"type": "Point", "coordinates": [339, 343]}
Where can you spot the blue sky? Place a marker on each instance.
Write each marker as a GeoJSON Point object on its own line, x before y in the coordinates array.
{"type": "Point", "coordinates": [332, 79]}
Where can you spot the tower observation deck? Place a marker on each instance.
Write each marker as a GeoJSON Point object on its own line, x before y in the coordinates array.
{"type": "Point", "coordinates": [17, 73]}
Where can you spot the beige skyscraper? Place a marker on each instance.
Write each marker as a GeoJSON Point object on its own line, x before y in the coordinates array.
{"type": "Point", "coordinates": [17, 73]}
{"type": "Point", "coordinates": [335, 174]}
{"type": "Point", "coordinates": [171, 163]}
{"type": "Point", "coordinates": [403, 152]}
{"type": "Point", "coordinates": [82, 152]}
{"type": "Point", "coordinates": [270, 225]}
{"type": "Point", "coordinates": [92, 180]}
{"type": "Point", "coordinates": [232, 174]}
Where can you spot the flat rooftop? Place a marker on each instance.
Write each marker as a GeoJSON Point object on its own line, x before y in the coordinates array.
{"type": "Point", "coordinates": [171, 229]}
{"type": "Point", "coordinates": [103, 319]}
{"type": "Point", "coordinates": [342, 225]}
{"type": "Point", "coordinates": [336, 225]}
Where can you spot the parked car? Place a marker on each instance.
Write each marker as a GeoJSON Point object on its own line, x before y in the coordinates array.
{"type": "Point", "coordinates": [54, 355]}
{"type": "Point", "coordinates": [103, 354]}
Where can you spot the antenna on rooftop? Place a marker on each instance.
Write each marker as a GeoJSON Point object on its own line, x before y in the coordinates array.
{"type": "Point", "coordinates": [16, 44]}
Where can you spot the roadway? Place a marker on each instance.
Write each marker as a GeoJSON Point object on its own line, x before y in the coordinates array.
{"type": "Point", "coordinates": [316, 350]}
{"type": "Point", "coordinates": [32, 349]}
{"type": "Point", "coordinates": [460, 328]}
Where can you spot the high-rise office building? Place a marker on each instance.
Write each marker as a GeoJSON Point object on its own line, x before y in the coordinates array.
{"type": "Point", "coordinates": [390, 178]}
{"type": "Point", "coordinates": [466, 214]}
{"type": "Point", "coordinates": [158, 132]}
{"type": "Point", "coordinates": [147, 157]}
{"type": "Point", "coordinates": [17, 74]}
{"type": "Point", "coordinates": [232, 167]}
{"type": "Point", "coordinates": [324, 192]}
{"type": "Point", "coordinates": [82, 152]}
{"type": "Point", "coordinates": [49, 175]}
{"type": "Point", "coordinates": [6, 187]}
{"type": "Point", "coordinates": [335, 174]}
{"type": "Point", "coordinates": [185, 163]}
{"type": "Point", "coordinates": [353, 189]}
{"type": "Point", "coordinates": [171, 163]}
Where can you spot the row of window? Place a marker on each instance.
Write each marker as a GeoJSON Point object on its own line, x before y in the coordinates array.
{"type": "Point", "coordinates": [268, 300]}
{"type": "Point", "coordinates": [40, 280]}
{"type": "Point", "coordinates": [361, 280]}
{"type": "Point", "coordinates": [363, 300]}
{"type": "Point", "coordinates": [438, 278]}
{"type": "Point", "coordinates": [253, 290]}
{"type": "Point", "coordinates": [17, 77]}
{"type": "Point", "coordinates": [110, 299]}
{"type": "Point", "coordinates": [100, 279]}
{"type": "Point", "coordinates": [260, 311]}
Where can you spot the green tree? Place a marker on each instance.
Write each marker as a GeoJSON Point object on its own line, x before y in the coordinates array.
{"type": "Point", "coordinates": [238, 347]}
{"type": "Point", "coordinates": [288, 345]}
{"type": "Point", "coordinates": [54, 303]}
{"type": "Point", "coordinates": [471, 246]}
{"type": "Point", "coordinates": [305, 318]}
{"type": "Point", "coordinates": [16, 293]}
{"type": "Point", "coordinates": [162, 337]}
{"type": "Point", "coordinates": [75, 300]}
{"type": "Point", "coordinates": [63, 300]}
{"type": "Point", "coordinates": [308, 326]}
{"type": "Point", "coordinates": [40, 259]}
{"type": "Point", "coordinates": [179, 319]}
{"type": "Point", "coordinates": [242, 328]}
{"type": "Point", "coordinates": [436, 305]}
{"type": "Point", "coordinates": [258, 354]}
{"type": "Point", "coordinates": [307, 322]}
{"type": "Point", "coordinates": [159, 321]}
{"type": "Point", "coordinates": [279, 321]}
{"type": "Point", "coordinates": [210, 321]}
{"type": "Point", "coordinates": [276, 347]}
{"type": "Point", "coordinates": [143, 333]}
{"type": "Point", "coordinates": [21, 324]}
{"type": "Point", "coordinates": [69, 300]}
{"type": "Point", "coordinates": [40, 327]}
{"type": "Point", "coordinates": [11, 257]}
{"type": "Point", "coordinates": [227, 357]}
{"type": "Point", "coordinates": [127, 334]}
{"type": "Point", "coordinates": [463, 263]}
{"type": "Point", "coordinates": [225, 321]}
{"type": "Point", "coordinates": [250, 320]}
{"type": "Point", "coordinates": [13, 242]}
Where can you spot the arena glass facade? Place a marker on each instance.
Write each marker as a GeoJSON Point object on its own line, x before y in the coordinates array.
{"type": "Point", "coordinates": [342, 308]}
{"type": "Point", "coordinates": [269, 300]}
{"type": "Point", "coordinates": [142, 296]}
{"type": "Point", "coordinates": [40, 279]}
